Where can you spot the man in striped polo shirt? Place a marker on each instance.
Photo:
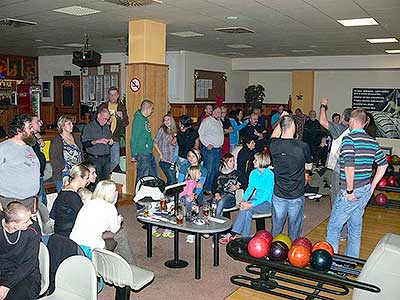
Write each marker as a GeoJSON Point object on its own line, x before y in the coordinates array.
{"type": "Point", "coordinates": [358, 152]}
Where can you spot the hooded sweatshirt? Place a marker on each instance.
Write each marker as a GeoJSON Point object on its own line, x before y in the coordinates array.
{"type": "Point", "coordinates": [141, 140]}
{"type": "Point", "coordinates": [228, 177]}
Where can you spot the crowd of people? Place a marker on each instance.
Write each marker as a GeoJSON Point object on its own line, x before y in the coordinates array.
{"type": "Point", "coordinates": [270, 158]}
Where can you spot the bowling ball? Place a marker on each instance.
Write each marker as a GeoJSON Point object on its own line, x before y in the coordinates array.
{"type": "Point", "coordinates": [325, 246]}
{"type": "Point", "coordinates": [381, 199]}
{"type": "Point", "coordinates": [395, 159]}
{"type": "Point", "coordinates": [392, 181]}
{"type": "Point", "coordinates": [283, 238]}
{"type": "Point", "coordinates": [299, 256]}
{"type": "Point", "coordinates": [388, 158]}
{"type": "Point", "coordinates": [382, 183]}
{"type": "Point", "coordinates": [258, 247]}
{"type": "Point", "coordinates": [302, 241]}
{"type": "Point", "coordinates": [278, 251]}
{"type": "Point", "coordinates": [321, 260]}
{"type": "Point", "coordinates": [265, 235]}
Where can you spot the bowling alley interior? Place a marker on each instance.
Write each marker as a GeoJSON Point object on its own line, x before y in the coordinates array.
{"type": "Point", "coordinates": [324, 66]}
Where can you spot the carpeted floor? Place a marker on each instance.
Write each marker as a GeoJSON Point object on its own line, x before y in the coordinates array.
{"type": "Point", "coordinates": [180, 284]}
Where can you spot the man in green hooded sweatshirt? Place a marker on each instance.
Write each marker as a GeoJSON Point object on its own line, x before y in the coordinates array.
{"type": "Point", "coordinates": [142, 142]}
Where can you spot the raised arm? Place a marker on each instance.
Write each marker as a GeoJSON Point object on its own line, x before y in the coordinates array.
{"type": "Point", "coordinates": [323, 120]}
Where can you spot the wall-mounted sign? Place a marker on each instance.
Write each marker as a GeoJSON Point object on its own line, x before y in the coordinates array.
{"type": "Point", "coordinates": [135, 85]}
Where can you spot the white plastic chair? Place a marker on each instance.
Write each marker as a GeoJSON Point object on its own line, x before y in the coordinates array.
{"type": "Point", "coordinates": [44, 266]}
{"type": "Point", "coordinates": [116, 271]}
{"type": "Point", "coordinates": [75, 280]}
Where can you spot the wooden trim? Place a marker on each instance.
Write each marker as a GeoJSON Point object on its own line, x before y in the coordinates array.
{"type": "Point", "coordinates": [145, 63]}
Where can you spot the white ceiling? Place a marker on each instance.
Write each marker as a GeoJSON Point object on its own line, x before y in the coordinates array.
{"type": "Point", "coordinates": [280, 26]}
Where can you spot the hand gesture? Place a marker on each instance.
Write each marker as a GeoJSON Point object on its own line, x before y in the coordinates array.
{"type": "Point", "coordinates": [244, 205]}
{"type": "Point", "coordinates": [324, 101]}
{"type": "Point", "coordinates": [110, 142]}
{"type": "Point", "coordinates": [284, 113]}
{"type": "Point", "coordinates": [119, 114]}
{"type": "Point", "coordinates": [351, 197]}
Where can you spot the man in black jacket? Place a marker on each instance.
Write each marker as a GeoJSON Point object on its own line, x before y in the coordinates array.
{"type": "Point", "coordinates": [246, 156]}
{"type": "Point", "coordinates": [36, 124]}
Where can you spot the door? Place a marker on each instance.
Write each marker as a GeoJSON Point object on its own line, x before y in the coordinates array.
{"type": "Point", "coordinates": [67, 95]}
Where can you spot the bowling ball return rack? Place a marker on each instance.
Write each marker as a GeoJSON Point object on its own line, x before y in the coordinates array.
{"type": "Point", "coordinates": [305, 284]}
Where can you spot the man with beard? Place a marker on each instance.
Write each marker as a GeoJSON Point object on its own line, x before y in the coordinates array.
{"type": "Point", "coordinates": [255, 131]}
{"type": "Point", "coordinates": [19, 165]}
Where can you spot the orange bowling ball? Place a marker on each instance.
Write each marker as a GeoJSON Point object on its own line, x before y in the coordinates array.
{"type": "Point", "coordinates": [325, 246]}
{"type": "Point", "coordinates": [299, 256]}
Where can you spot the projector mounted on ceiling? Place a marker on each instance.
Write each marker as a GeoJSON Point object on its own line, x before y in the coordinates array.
{"type": "Point", "coordinates": [86, 57]}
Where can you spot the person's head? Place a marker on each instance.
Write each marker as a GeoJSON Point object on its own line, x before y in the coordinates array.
{"type": "Point", "coordinates": [168, 124]}
{"type": "Point", "coordinates": [103, 116]}
{"type": "Point", "coordinates": [229, 160]}
{"type": "Point", "coordinates": [208, 109]}
{"type": "Point", "coordinates": [281, 109]}
{"type": "Point", "coordinates": [194, 157]}
{"type": "Point", "coordinates": [17, 216]}
{"type": "Point", "coordinates": [78, 176]}
{"type": "Point", "coordinates": [20, 127]}
{"type": "Point", "coordinates": [64, 124]}
{"type": "Point", "coordinates": [288, 126]}
{"type": "Point", "coordinates": [92, 171]}
{"type": "Point", "coordinates": [261, 160]}
{"type": "Point", "coordinates": [253, 119]}
{"type": "Point", "coordinates": [224, 112]}
{"type": "Point", "coordinates": [113, 94]}
{"type": "Point", "coordinates": [217, 112]}
{"type": "Point", "coordinates": [298, 112]}
{"type": "Point", "coordinates": [106, 190]}
{"type": "Point", "coordinates": [147, 108]}
{"type": "Point", "coordinates": [36, 124]}
{"type": "Point", "coordinates": [85, 194]}
{"type": "Point", "coordinates": [257, 111]}
{"type": "Point", "coordinates": [239, 114]}
{"type": "Point", "coordinates": [185, 122]}
{"type": "Point", "coordinates": [249, 142]}
{"type": "Point", "coordinates": [336, 118]}
{"type": "Point", "coordinates": [194, 173]}
{"type": "Point", "coordinates": [313, 115]}
{"type": "Point", "coordinates": [346, 116]}
{"type": "Point", "coordinates": [358, 119]}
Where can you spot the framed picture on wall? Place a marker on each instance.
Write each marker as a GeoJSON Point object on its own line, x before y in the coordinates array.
{"type": "Point", "coordinates": [3, 67]}
{"type": "Point", "coordinates": [46, 89]}
{"type": "Point", "coordinates": [15, 67]}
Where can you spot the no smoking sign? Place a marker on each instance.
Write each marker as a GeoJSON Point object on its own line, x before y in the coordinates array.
{"type": "Point", "coordinates": [135, 85]}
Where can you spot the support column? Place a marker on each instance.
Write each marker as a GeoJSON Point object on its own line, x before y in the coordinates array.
{"type": "Point", "coordinates": [146, 78]}
{"type": "Point", "coordinates": [303, 85]}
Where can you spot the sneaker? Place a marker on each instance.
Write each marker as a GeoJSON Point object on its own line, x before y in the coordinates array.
{"type": "Point", "coordinates": [226, 239]}
{"type": "Point", "coordinates": [315, 197]}
{"type": "Point", "coordinates": [168, 234]}
{"type": "Point", "coordinates": [155, 233]}
{"type": "Point", "coordinates": [190, 239]}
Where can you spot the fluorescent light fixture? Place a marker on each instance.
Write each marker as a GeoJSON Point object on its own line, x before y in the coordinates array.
{"type": "Point", "coordinates": [50, 47]}
{"type": "Point", "coordinates": [382, 40]}
{"type": "Point", "coordinates": [38, 41]}
{"type": "Point", "coordinates": [302, 51]}
{"type": "Point", "coordinates": [232, 18]}
{"type": "Point", "coordinates": [76, 10]}
{"type": "Point", "coordinates": [186, 34]}
{"type": "Point", "coordinates": [358, 22]}
{"type": "Point", "coordinates": [239, 46]}
{"type": "Point", "coordinates": [231, 54]}
{"type": "Point", "coordinates": [396, 51]}
{"type": "Point", "coordinates": [74, 45]}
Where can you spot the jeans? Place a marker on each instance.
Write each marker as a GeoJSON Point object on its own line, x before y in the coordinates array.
{"type": "Point", "coordinates": [351, 212]}
{"type": "Point", "coordinates": [212, 159]}
{"type": "Point", "coordinates": [42, 192]}
{"type": "Point", "coordinates": [243, 220]}
{"type": "Point", "coordinates": [227, 201]}
{"type": "Point", "coordinates": [114, 155]}
{"type": "Point", "coordinates": [293, 209]}
{"type": "Point", "coordinates": [60, 183]}
{"type": "Point", "coordinates": [169, 172]}
{"type": "Point", "coordinates": [102, 165]}
{"type": "Point", "coordinates": [145, 165]}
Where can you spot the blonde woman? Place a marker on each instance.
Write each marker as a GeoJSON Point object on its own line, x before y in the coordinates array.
{"type": "Point", "coordinates": [98, 216]}
{"type": "Point", "coordinates": [165, 144]}
{"type": "Point", "coordinates": [66, 151]}
{"type": "Point", "coordinates": [68, 202]}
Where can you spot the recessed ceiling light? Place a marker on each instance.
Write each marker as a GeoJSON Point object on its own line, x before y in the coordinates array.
{"type": "Point", "coordinates": [76, 10]}
{"type": "Point", "coordinates": [232, 18]}
{"type": "Point", "coordinates": [239, 46]}
{"type": "Point", "coordinates": [38, 41]}
{"type": "Point", "coordinates": [50, 47]}
{"type": "Point", "coordinates": [397, 51]}
{"type": "Point", "coordinates": [382, 40]}
{"type": "Point", "coordinates": [74, 45]}
{"type": "Point", "coordinates": [186, 34]}
{"type": "Point", "coordinates": [358, 22]}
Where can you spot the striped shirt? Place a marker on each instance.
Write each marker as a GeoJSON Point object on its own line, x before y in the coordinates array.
{"type": "Point", "coordinates": [360, 151]}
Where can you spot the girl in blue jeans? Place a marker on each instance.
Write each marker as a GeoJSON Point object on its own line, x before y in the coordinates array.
{"type": "Point", "coordinates": [259, 196]}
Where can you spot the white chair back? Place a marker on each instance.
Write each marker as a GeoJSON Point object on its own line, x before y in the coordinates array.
{"type": "Point", "coordinates": [239, 196]}
{"type": "Point", "coordinates": [44, 266]}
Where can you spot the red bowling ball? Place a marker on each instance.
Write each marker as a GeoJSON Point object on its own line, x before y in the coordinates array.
{"type": "Point", "coordinates": [388, 158]}
{"type": "Point", "coordinates": [381, 199]}
{"type": "Point", "coordinates": [382, 183]}
{"type": "Point", "coordinates": [265, 235]}
{"type": "Point", "coordinates": [299, 256]}
{"type": "Point", "coordinates": [392, 181]}
{"type": "Point", "coordinates": [258, 247]}
{"type": "Point", "coordinates": [302, 241]}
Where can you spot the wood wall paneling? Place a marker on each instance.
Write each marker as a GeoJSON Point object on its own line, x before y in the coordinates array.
{"type": "Point", "coordinates": [303, 84]}
{"type": "Point", "coordinates": [6, 114]}
{"type": "Point", "coordinates": [48, 115]}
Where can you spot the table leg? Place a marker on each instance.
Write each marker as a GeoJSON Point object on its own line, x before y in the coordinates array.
{"type": "Point", "coordinates": [176, 263]}
{"type": "Point", "coordinates": [197, 257]}
{"type": "Point", "coordinates": [216, 249]}
{"type": "Point", "coordinates": [149, 240]}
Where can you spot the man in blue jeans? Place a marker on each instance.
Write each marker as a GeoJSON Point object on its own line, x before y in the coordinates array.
{"type": "Point", "coordinates": [358, 152]}
{"type": "Point", "coordinates": [290, 158]}
{"type": "Point", "coordinates": [211, 135]}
